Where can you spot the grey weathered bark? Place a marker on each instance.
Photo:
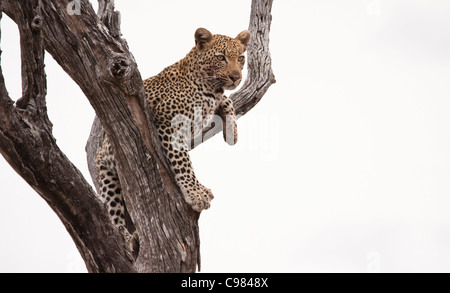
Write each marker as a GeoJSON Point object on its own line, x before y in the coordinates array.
{"type": "Point", "coordinates": [27, 144]}
{"type": "Point", "coordinates": [91, 50]}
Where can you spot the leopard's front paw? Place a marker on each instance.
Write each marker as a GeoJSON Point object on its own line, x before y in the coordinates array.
{"type": "Point", "coordinates": [198, 196]}
{"type": "Point", "coordinates": [230, 133]}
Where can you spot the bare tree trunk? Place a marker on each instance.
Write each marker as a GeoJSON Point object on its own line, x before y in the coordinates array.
{"type": "Point", "coordinates": [27, 143]}
{"type": "Point", "coordinates": [91, 50]}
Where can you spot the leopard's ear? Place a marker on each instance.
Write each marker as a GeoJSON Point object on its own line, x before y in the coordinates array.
{"type": "Point", "coordinates": [203, 38]}
{"type": "Point", "coordinates": [244, 38]}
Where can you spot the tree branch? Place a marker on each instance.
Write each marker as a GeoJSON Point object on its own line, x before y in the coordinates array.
{"type": "Point", "coordinates": [260, 78]}
{"type": "Point", "coordinates": [90, 49]}
{"type": "Point", "coordinates": [27, 143]}
{"type": "Point", "coordinates": [106, 72]}
{"type": "Point", "coordinates": [260, 74]}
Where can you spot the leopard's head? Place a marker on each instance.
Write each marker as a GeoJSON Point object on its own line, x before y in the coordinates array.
{"type": "Point", "coordinates": [221, 58]}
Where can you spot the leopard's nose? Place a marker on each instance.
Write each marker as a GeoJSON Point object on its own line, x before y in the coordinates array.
{"type": "Point", "coordinates": [235, 75]}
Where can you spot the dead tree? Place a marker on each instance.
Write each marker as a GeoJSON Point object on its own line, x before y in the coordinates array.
{"type": "Point", "coordinates": [90, 48]}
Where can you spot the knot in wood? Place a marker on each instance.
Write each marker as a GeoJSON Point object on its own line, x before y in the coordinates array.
{"type": "Point", "coordinates": [36, 23]}
{"type": "Point", "coordinates": [119, 67]}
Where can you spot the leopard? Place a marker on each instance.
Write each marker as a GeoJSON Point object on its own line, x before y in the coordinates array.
{"type": "Point", "coordinates": [183, 99]}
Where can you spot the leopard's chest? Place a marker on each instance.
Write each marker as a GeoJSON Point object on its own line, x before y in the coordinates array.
{"type": "Point", "coordinates": [210, 103]}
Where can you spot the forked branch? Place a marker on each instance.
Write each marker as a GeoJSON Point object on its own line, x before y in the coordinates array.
{"type": "Point", "coordinates": [90, 48]}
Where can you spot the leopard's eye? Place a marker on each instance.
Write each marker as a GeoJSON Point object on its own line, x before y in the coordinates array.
{"type": "Point", "coordinates": [241, 59]}
{"type": "Point", "coordinates": [220, 57]}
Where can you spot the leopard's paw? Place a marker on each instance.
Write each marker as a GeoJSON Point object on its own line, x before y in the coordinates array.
{"type": "Point", "coordinates": [198, 196]}
{"type": "Point", "coordinates": [230, 133]}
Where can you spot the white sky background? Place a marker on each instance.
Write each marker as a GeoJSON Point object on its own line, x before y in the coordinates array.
{"type": "Point", "coordinates": [344, 166]}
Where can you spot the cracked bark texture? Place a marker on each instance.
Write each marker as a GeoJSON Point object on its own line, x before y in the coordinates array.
{"type": "Point", "coordinates": [90, 48]}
